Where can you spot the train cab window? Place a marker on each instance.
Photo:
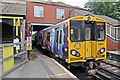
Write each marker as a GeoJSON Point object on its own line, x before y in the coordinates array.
{"type": "Point", "coordinates": [48, 36]}
{"type": "Point", "coordinates": [100, 32]}
{"type": "Point", "coordinates": [75, 31]}
{"type": "Point", "coordinates": [60, 37]}
{"type": "Point", "coordinates": [87, 34]}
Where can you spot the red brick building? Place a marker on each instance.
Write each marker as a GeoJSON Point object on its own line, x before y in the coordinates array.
{"type": "Point", "coordinates": [42, 14]}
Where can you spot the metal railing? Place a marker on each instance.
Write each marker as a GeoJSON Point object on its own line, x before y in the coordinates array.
{"type": "Point", "coordinates": [22, 55]}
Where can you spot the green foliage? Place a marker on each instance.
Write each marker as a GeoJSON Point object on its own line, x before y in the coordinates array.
{"type": "Point", "coordinates": [111, 9]}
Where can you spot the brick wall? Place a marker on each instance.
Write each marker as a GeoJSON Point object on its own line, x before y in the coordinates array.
{"type": "Point", "coordinates": [49, 13]}
{"type": "Point", "coordinates": [112, 45]}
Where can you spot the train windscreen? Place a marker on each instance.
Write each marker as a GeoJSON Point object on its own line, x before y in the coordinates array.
{"type": "Point", "coordinates": [76, 30]}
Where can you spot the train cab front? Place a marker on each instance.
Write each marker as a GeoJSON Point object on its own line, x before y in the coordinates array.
{"type": "Point", "coordinates": [86, 40]}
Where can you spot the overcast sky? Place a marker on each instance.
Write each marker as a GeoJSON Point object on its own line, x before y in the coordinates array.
{"type": "Point", "coordinates": [79, 3]}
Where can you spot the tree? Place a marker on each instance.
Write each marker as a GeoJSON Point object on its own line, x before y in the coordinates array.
{"type": "Point", "coordinates": [111, 9]}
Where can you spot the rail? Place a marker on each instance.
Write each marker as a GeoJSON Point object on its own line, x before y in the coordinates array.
{"type": "Point", "coordinates": [16, 59]}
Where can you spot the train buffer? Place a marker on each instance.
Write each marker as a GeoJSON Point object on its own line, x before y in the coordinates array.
{"type": "Point", "coordinates": [42, 67]}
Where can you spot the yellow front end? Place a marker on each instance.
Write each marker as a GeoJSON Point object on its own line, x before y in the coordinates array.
{"type": "Point", "coordinates": [87, 49]}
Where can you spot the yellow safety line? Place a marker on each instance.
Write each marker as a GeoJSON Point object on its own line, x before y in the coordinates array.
{"type": "Point", "coordinates": [58, 74]}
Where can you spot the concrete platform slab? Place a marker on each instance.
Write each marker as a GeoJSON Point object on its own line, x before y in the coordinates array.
{"type": "Point", "coordinates": [42, 67]}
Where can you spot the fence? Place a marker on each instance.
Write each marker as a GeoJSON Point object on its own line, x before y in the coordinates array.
{"type": "Point", "coordinates": [9, 60]}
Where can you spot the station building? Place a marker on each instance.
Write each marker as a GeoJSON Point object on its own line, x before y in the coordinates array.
{"type": "Point", "coordinates": [13, 45]}
{"type": "Point", "coordinates": [42, 14]}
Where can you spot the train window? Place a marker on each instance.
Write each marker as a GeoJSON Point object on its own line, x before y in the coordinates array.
{"type": "Point", "coordinates": [75, 31]}
{"type": "Point", "coordinates": [75, 34]}
{"type": "Point", "coordinates": [100, 34]}
{"type": "Point", "coordinates": [60, 36]}
{"type": "Point", "coordinates": [57, 33]}
{"type": "Point", "coordinates": [87, 34]}
{"type": "Point", "coordinates": [48, 36]}
{"type": "Point", "coordinates": [100, 31]}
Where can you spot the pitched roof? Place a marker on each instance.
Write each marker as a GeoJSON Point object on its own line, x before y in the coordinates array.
{"type": "Point", "coordinates": [108, 19]}
{"type": "Point", "coordinates": [56, 4]}
{"type": "Point", "coordinates": [13, 7]}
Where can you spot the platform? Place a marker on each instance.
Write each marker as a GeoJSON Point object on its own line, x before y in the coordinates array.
{"type": "Point", "coordinates": [41, 67]}
{"type": "Point", "coordinates": [114, 52]}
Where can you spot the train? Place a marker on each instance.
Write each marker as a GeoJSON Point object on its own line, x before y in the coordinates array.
{"type": "Point", "coordinates": [79, 40]}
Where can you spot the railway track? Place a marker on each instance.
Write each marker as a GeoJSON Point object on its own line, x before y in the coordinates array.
{"type": "Point", "coordinates": [107, 70]}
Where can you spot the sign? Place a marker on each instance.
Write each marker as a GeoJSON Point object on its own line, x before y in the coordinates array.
{"type": "Point", "coordinates": [17, 45]}
{"type": "Point", "coordinates": [29, 43]}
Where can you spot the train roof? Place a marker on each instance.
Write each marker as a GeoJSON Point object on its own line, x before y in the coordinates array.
{"type": "Point", "coordinates": [54, 26]}
{"type": "Point", "coordinates": [57, 24]}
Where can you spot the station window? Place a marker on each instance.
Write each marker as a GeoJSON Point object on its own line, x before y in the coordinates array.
{"type": "Point", "coordinates": [7, 31]}
{"type": "Point", "coordinates": [60, 13]}
{"type": "Point", "coordinates": [38, 11]}
{"type": "Point", "coordinates": [60, 36]}
{"type": "Point", "coordinates": [117, 33]}
{"type": "Point", "coordinates": [48, 36]}
{"type": "Point", "coordinates": [113, 32]}
{"type": "Point", "coordinates": [108, 29]}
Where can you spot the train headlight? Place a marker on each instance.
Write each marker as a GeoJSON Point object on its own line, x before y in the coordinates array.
{"type": "Point", "coordinates": [75, 53]}
{"type": "Point", "coordinates": [65, 49]}
{"type": "Point", "coordinates": [102, 50]}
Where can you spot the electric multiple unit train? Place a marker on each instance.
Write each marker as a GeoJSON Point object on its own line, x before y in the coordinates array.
{"type": "Point", "coordinates": [77, 40]}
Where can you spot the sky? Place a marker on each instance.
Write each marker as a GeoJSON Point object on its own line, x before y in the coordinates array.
{"type": "Point", "coordinates": [79, 3]}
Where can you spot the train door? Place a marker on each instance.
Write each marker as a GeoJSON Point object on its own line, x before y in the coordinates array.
{"type": "Point", "coordinates": [88, 42]}
{"type": "Point", "coordinates": [60, 42]}
{"type": "Point", "coordinates": [56, 40]}
{"type": "Point", "coordinates": [101, 41]}
{"type": "Point", "coordinates": [44, 39]}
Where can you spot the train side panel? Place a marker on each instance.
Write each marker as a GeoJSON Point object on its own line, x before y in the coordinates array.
{"type": "Point", "coordinates": [52, 39]}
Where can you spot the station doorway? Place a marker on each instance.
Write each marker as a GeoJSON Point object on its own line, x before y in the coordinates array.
{"type": "Point", "coordinates": [39, 26]}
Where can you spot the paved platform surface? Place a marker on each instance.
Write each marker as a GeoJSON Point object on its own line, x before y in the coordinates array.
{"type": "Point", "coordinates": [114, 52]}
{"type": "Point", "coordinates": [41, 67]}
